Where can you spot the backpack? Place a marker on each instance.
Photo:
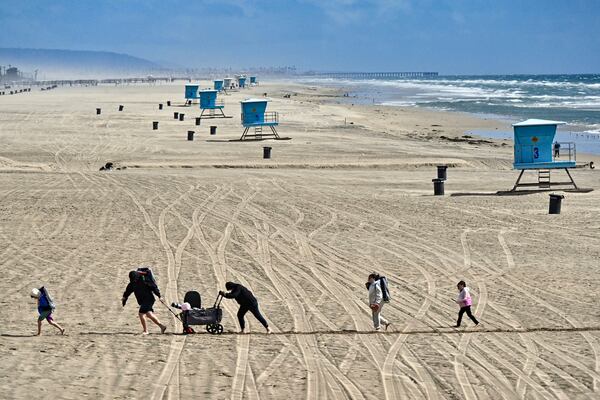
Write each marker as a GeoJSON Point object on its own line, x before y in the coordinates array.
{"type": "Point", "coordinates": [385, 290]}
{"type": "Point", "coordinates": [145, 275]}
{"type": "Point", "coordinates": [49, 299]}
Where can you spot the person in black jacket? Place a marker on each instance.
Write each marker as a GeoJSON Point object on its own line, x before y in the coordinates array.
{"type": "Point", "coordinates": [247, 302]}
{"type": "Point", "coordinates": [144, 291]}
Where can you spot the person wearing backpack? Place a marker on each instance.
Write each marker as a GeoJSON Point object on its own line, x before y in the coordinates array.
{"type": "Point", "coordinates": [45, 307]}
{"type": "Point", "coordinates": [142, 284]}
{"type": "Point", "coordinates": [376, 301]}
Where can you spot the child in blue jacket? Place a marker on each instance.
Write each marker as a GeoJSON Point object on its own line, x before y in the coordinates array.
{"type": "Point", "coordinates": [45, 309]}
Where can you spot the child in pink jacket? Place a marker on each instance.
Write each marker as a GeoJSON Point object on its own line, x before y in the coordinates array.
{"type": "Point", "coordinates": [464, 301]}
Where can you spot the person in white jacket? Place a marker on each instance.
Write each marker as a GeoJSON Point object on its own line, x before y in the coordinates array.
{"type": "Point", "coordinates": [376, 301]}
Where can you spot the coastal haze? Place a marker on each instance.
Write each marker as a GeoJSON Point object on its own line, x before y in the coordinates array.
{"type": "Point", "coordinates": [349, 192]}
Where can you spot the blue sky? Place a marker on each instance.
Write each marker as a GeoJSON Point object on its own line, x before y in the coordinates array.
{"type": "Point", "coordinates": [449, 36]}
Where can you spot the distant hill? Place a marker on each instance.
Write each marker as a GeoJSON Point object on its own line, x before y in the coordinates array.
{"type": "Point", "coordinates": [73, 64]}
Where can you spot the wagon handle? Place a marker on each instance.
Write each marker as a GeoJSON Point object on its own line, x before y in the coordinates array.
{"type": "Point", "coordinates": [218, 301]}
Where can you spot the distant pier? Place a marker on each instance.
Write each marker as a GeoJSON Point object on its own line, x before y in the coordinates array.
{"type": "Point", "coordinates": [374, 75]}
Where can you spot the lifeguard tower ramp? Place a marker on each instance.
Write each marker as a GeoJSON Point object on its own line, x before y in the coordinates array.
{"type": "Point", "coordinates": [256, 116]}
{"type": "Point", "coordinates": [210, 105]}
{"type": "Point", "coordinates": [534, 149]}
{"type": "Point", "coordinates": [191, 92]}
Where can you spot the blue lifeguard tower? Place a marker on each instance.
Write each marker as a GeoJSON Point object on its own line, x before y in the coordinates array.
{"type": "Point", "coordinates": [255, 115]}
{"type": "Point", "coordinates": [218, 85]}
{"type": "Point", "coordinates": [191, 91]}
{"type": "Point", "coordinates": [253, 81]}
{"type": "Point", "coordinates": [242, 82]}
{"type": "Point", "coordinates": [536, 149]}
{"type": "Point", "coordinates": [209, 102]}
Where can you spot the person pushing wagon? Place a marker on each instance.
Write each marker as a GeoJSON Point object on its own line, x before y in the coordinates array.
{"type": "Point", "coordinates": [247, 302]}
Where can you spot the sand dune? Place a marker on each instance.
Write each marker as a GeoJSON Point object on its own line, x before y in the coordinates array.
{"type": "Point", "coordinates": [303, 231]}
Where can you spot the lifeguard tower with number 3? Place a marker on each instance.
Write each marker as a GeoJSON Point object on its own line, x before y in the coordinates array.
{"type": "Point", "coordinates": [256, 116]}
{"type": "Point", "coordinates": [535, 149]}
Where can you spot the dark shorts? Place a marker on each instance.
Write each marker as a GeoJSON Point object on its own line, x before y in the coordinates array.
{"type": "Point", "coordinates": [145, 308]}
{"type": "Point", "coordinates": [45, 315]}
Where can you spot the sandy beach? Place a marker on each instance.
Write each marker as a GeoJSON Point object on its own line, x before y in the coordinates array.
{"type": "Point", "coordinates": [349, 194]}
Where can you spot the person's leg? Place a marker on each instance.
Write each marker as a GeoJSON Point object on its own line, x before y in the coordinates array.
{"type": "Point", "coordinates": [376, 319]}
{"type": "Point", "coordinates": [153, 318]}
{"type": "Point", "coordinates": [240, 315]}
{"type": "Point", "coordinates": [382, 320]}
{"type": "Point", "coordinates": [143, 322]}
{"type": "Point", "coordinates": [256, 312]}
{"type": "Point", "coordinates": [39, 332]}
{"type": "Point", "coordinates": [54, 324]}
{"type": "Point", "coordinates": [468, 311]}
{"type": "Point", "coordinates": [460, 314]}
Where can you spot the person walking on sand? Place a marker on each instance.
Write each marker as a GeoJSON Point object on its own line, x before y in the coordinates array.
{"type": "Point", "coordinates": [247, 302]}
{"type": "Point", "coordinates": [144, 290]}
{"type": "Point", "coordinates": [376, 301]}
{"type": "Point", "coordinates": [464, 301]}
{"type": "Point", "coordinates": [45, 307]}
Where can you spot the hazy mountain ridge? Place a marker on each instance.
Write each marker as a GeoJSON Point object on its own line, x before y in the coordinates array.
{"type": "Point", "coordinates": [62, 64]}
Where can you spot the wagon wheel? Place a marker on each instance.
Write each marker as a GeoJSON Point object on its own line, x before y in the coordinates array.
{"type": "Point", "coordinates": [208, 327]}
{"type": "Point", "coordinates": [218, 329]}
{"type": "Point", "coordinates": [211, 328]}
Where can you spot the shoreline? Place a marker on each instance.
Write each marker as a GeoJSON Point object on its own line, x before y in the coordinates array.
{"type": "Point", "coordinates": [471, 135]}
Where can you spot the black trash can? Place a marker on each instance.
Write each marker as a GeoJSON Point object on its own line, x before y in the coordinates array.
{"type": "Point", "coordinates": [160, 106]}
{"type": "Point", "coordinates": [213, 130]}
{"type": "Point", "coordinates": [266, 152]}
{"type": "Point", "coordinates": [441, 172]}
{"type": "Point", "coordinates": [438, 186]}
{"type": "Point", "coordinates": [154, 125]}
{"type": "Point", "coordinates": [120, 108]}
{"type": "Point", "coordinates": [175, 115]}
{"type": "Point", "coordinates": [555, 203]}
{"type": "Point", "coordinates": [190, 135]}
{"type": "Point", "coordinates": [181, 117]}
{"type": "Point", "coordinates": [198, 119]}
{"type": "Point", "coordinates": [98, 111]}
{"type": "Point", "coordinates": [168, 103]}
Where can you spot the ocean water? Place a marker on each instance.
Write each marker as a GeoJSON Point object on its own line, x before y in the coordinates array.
{"type": "Point", "coordinates": [574, 99]}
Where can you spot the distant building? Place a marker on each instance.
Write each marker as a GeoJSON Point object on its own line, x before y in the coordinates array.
{"type": "Point", "coordinates": [10, 74]}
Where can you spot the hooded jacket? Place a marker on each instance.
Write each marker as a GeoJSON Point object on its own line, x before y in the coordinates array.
{"type": "Point", "coordinates": [241, 294]}
{"type": "Point", "coordinates": [144, 291]}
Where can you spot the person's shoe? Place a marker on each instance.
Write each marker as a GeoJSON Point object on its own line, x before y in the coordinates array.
{"type": "Point", "coordinates": [269, 331]}
{"type": "Point", "coordinates": [145, 333]}
{"type": "Point", "coordinates": [378, 329]}
{"type": "Point", "coordinates": [163, 328]}
{"type": "Point", "coordinates": [456, 326]}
